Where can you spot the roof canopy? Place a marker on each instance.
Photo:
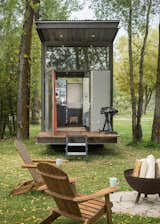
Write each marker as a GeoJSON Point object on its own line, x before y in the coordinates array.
{"type": "Point", "coordinates": [77, 33]}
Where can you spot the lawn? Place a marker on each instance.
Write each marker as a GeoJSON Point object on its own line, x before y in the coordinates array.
{"type": "Point", "coordinates": [92, 175]}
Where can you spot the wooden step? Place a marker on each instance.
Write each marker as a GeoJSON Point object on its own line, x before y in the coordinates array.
{"type": "Point", "coordinates": [77, 144]}
{"type": "Point", "coordinates": [76, 153]}
{"type": "Point", "coordinates": [76, 141]}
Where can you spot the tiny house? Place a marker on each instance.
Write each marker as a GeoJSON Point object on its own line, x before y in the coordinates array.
{"type": "Point", "coordinates": [76, 79]}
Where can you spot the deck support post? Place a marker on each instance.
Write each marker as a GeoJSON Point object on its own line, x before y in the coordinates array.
{"type": "Point", "coordinates": [111, 72]}
{"type": "Point", "coordinates": [43, 63]}
{"type": "Point", "coordinates": [111, 77]}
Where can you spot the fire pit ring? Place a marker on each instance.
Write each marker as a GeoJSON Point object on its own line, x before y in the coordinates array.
{"type": "Point", "coordinates": [142, 185]}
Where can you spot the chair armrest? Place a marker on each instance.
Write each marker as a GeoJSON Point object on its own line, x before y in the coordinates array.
{"type": "Point", "coordinates": [29, 166]}
{"type": "Point", "coordinates": [48, 160]}
{"type": "Point", "coordinates": [95, 195]}
{"type": "Point", "coordinates": [44, 160]}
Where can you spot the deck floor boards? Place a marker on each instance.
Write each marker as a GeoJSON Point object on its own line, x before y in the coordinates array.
{"type": "Point", "coordinates": [60, 135]}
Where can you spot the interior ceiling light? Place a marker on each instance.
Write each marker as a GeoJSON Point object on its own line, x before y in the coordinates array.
{"type": "Point", "coordinates": [93, 35]}
{"type": "Point", "coordinates": [61, 35]}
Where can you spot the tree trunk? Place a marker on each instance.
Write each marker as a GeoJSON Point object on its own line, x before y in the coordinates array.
{"type": "Point", "coordinates": [2, 120]}
{"type": "Point", "coordinates": [11, 112]}
{"type": "Point", "coordinates": [23, 97]}
{"type": "Point", "coordinates": [147, 97]}
{"type": "Point", "coordinates": [107, 58]}
{"type": "Point", "coordinates": [35, 108]}
{"type": "Point", "coordinates": [9, 125]}
{"type": "Point", "coordinates": [77, 58]}
{"type": "Point", "coordinates": [132, 90]}
{"type": "Point", "coordinates": [156, 121]}
{"type": "Point", "coordinates": [87, 66]}
{"type": "Point", "coordinates": [3, 127]}
{"type": "Point", "coordinates": [138, 130]}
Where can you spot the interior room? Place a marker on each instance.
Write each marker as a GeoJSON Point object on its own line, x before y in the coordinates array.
{"type": "Point", "coordinates": [70, 102]}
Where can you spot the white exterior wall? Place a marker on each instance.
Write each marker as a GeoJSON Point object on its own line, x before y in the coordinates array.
{"type": "Point", "coordinates": [100, 97]}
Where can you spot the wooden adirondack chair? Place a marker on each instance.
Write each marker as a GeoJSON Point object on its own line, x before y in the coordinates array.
{"type": "Point", "coordinates": [86, 209]}
{"type": "Point", "coordinates": [37, 182]}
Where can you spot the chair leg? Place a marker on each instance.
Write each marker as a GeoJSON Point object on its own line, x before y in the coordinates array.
{"type": "Point", "coordinates": [73, 186]}
{"type": "Point", "coordinates": [51, 218]}
{"type": "Point", "coordinates": [108, 205]}
{"type": "Point", "coordinates": [23, 188]}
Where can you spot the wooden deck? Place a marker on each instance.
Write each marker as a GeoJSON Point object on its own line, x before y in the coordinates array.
{"type": "Point", "coordinates": [59, 138]}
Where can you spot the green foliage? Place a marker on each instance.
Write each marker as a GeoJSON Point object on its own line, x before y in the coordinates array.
{"type": "Point", "coordinates": [11, 17]}
{"type": "Point", "coordinates": [59, 10]}
{"type": "Point", "coordinates": [9, 37]}
{"type": "Point", "coordinates": [35, 61]}
{"type": "Point", "coordinates": [135, 17]}
{"type": "Point", "coordinates": [35, 90]}
{"type": "Point", "coordinates": [121, 100]}
{"type": "Point", "coordinates": [121, 67]}
{"type": "Point", "coordinates": [119, 9]}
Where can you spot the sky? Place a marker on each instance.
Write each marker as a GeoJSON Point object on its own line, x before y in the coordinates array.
{"type": "Point", "coordinates": [85, 13]}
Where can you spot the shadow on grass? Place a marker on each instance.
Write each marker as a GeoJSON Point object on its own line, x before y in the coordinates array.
{"type": "Point", "coordinates": [152, 145]}
{"type": "Point", "coordinates": [99, 151]}
{"type": "Point", "coordinates": [144, 144]}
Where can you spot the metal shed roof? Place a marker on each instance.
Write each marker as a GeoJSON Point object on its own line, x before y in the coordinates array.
{"type": "Point", "coordinates": [77, 33]}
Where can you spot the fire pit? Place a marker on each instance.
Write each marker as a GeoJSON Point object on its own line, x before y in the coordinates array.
{"type": "Point", "coordinates": [142, 185]}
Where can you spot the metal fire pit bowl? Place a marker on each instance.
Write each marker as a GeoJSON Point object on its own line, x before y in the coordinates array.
{"type": "Point", "coordinates": [142, 185]}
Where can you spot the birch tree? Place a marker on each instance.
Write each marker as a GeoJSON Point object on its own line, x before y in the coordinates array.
{"type": "Point", "coordinates": [137, 132]}
{"type": "Point", "coordinates": [156, 120]}
{"type": "Point", "coordinates": [135, 17]}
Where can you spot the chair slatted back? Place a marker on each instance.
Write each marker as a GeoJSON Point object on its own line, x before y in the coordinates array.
{"type": "Point", "coordinates": [60, 188]}
{"type": "Point", "coordinates": [21, 149]}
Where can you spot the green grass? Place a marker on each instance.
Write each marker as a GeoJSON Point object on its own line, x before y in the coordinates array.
{"type": "Point", "coordinates": [92, 175]}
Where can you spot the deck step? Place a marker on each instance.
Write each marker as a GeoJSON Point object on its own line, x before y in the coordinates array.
{"type": "Point", "coordinates": [76, 141]}
{"type": "Point", "coordinates": [77, 144]}
{"type": "Point", "coordinates": [76, 154]}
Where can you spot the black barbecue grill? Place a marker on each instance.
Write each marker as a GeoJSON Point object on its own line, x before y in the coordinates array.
{"type": "Point", "coordinates": [109, 112]}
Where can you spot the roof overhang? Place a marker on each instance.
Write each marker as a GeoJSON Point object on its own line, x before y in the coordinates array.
{"type": "Point", "coordinates": [77, 33]}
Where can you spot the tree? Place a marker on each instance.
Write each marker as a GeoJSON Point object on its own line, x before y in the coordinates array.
{"type": "Point", "coordinates": [121, 69]}
{"type": "Point", "coordinates": [132, 89]}
{"type": "Point", "coordinates": [138, 128]}
{"type": "Point", "coordinates": [156, 121]}
{"type": "Point", "coordinates": [56, 9]}
{"type": "Point", "coordinates": [134, 15]}
{"type": "Point", "coordinates": [49, 9]}
{"type": "Point", "coordinates": [9, 36]}
{"type": "Point", "coordinates": [11, 13]}
{"type": "Point", "coordinates": [35, 78]}
{"type": "Point", "coordinates": [150, 68]}
{"type": "Point", "coordinates": [23, 98]}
